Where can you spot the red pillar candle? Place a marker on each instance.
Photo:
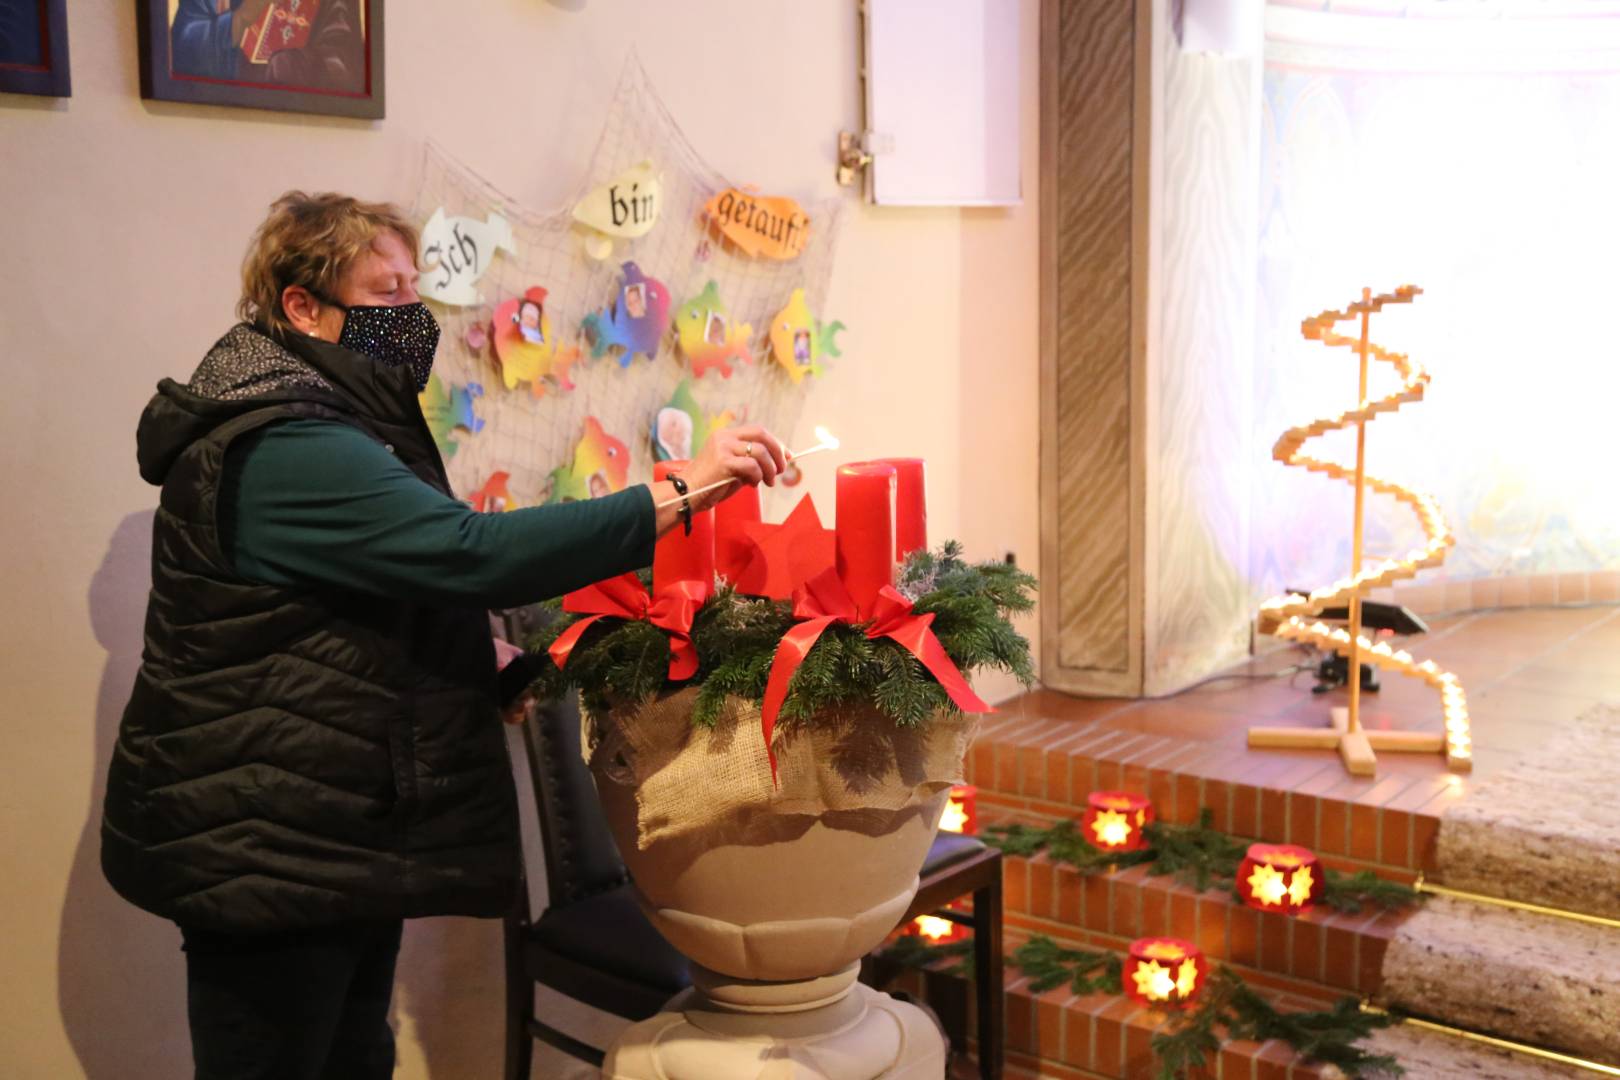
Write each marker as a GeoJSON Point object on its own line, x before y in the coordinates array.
{"type": "Point", "coordinates": [680, 557]}
{"type": "Point", "coordinates": [910, 505]}
{"type": "Point", "coordinates": [865, 531]}
{"type": "Point", "coordinates": [733, 550]}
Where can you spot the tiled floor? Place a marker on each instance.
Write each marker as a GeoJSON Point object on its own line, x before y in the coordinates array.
{"type": "Point", "coordinates": [1524, 670]}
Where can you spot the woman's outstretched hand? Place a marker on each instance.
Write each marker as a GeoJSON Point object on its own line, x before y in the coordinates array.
{"type": "Point", "coordinates": [746, 455]}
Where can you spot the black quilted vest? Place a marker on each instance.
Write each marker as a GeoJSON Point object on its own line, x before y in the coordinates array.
{"type": "Point", "coordinates": [299, 757]}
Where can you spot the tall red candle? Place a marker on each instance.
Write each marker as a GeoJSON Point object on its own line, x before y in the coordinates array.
{"type": "Point", "coordinates": [732, 547]}
{"type": "Point", "coordinates": [865, 531]}
{"type": "Point", "coordinates": [680, 557]}
{"type": "Point", "coordinates": [910, 505]}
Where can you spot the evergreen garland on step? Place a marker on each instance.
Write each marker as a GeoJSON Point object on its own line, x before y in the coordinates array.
{"type": "Point", "coordinates": [1328, 1037]}
{"type": "Point", "coordinates": [1199, 856]}
{"type": "Point", "coordinates": [618, 661]}
{"type": "Point", "coordinates": [1193, 1037]}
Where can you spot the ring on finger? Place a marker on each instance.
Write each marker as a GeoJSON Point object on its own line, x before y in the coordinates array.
{"type": "Point", "coordinates": [747, 449]}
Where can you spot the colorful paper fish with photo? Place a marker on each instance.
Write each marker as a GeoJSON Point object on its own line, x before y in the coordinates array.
{"type": "Point", "coordinates": [493, 497]}
{"type": "Point", "coordinates": [634, 322]}
{"type": "Point", "coordinates": [527, 349]}
{"type": "Point", "coordinates": [799, 341]}
{"type": "Point", "coordinates": [680, 429]}
{"type": "Point", "coordinates": [447, 407]}
{"type": "Point", "coordinates": [709, 337]}
{"type": "Point", "coordinates": [600, 466]}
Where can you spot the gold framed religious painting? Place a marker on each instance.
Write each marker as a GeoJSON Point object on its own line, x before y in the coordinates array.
{"type": "Point", "coordinates": [33, 48]}
{"type": "Point", "coordinates": [316, 56]}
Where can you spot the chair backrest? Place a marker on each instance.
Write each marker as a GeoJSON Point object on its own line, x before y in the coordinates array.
{"type": "Point", "coordinates": [581, 857]}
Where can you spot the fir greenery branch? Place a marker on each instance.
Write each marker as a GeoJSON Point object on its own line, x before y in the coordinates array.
{"type": "Point", "coordinates": [1062, 842]}
{"type": "Point", "coordinates": [911, 951]}
{"type": "Point", "coordinates": [619, 661]}
{"type": "Point", "coordinates": [1328, 1036]}
{"type": "Point", "coordinates": [1349, 892]}
{"type": "Point", "coordinates": [1198, 855]}
{"type": "Point", "coordinates": [1049, 965]}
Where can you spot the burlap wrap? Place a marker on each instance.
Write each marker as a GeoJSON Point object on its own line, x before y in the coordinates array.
{"type": "Point", "coordinates": [691, 779]}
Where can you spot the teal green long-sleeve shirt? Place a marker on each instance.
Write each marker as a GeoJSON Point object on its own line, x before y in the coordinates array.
{"type": "Point", "coordinates": [313, 502]}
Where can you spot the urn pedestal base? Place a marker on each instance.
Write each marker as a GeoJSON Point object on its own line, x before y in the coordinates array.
{"type": "Point", "coordinates": [830, 1028]}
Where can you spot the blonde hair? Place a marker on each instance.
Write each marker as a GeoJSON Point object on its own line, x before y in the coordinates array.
{"type": "Point", "coordinates": [310, 240]}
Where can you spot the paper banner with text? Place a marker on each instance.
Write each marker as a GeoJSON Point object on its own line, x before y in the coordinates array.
{"type": "Point", "coordinates": [456, 252]}
{"type": "Point", "coordinates": [625, 208]}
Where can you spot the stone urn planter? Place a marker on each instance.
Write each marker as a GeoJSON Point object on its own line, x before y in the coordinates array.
{"type": "Point", "coordinates": [775, 891]}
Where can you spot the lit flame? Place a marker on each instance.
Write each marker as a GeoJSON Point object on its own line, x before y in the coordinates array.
{"type": "Point", "coordinates": [826, 438]}
{"type": "Point", "coordinates": [1112, 828]}
{"type": "Point", "coordinates": [1153, 981]}
{"type": "Point", "coordinates": [1266, 885]}
{"type": "Point", "coordinates": [954, 819]}
{"type": "Point", "coordinates": [934, 928]}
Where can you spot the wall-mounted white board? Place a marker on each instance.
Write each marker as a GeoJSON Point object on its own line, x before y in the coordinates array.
{"type": "Point", "coordinates": [942, 102]}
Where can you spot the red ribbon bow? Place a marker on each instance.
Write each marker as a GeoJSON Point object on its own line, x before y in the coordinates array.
{"type": "Point", "coordinates": [822, 601]}
{"type": "Point", "coordinates": [624, 597]}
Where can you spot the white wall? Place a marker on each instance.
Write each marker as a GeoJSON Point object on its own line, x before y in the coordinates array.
{"type": "Point", "coordinates": [125, 225]}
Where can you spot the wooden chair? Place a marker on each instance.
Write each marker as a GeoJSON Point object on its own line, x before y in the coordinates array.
{"type": "Point", "coordinates": [958, 866]}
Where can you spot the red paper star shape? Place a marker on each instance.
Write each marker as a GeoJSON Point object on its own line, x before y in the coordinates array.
{"type": "Point", "coordinates": [783, 556]}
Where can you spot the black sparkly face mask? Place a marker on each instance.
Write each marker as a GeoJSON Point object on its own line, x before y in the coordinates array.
{"type": "Point", "coordinates": [403, 336]}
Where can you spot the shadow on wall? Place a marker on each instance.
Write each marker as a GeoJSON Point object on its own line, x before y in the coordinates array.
{"type": "Point", "coordinates": [120, 974]}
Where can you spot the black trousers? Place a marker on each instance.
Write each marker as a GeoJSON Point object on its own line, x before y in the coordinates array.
{"type": "Point", "coordinates": [305, 1005]}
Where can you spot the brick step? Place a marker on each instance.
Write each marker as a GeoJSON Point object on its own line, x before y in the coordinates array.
{"type": "Point", "coordinates": [1027, 765]}
{"type": "Point", "coordinates": [1322, 948]}
{"type": "Point", "coordinates": [1066, 1036]}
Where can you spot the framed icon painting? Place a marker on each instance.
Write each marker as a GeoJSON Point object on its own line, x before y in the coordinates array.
{"type": "Point", "coordinates": [34, 48]}
{"type": "Point", "coordinates": [317, 56]}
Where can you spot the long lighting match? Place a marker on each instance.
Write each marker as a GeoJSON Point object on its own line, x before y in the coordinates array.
{"type": "Point", "coordinates": [827, 441]}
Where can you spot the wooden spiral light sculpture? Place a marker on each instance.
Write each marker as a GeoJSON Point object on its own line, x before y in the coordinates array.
{"type": "Point", "coordinates": [1292, 617]}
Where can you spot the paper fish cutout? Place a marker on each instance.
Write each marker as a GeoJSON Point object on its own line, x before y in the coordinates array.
{"type": "Point", "coordinates": [493, 497]}
{"type": "Point", "coordinates": [708, 336]}
{"type": "Point", "coordinates": [625, 207]}
{"type": "Point", "coordinates": [455, 253]}
{"type": "Point", "coordinates": [526, 347]}
{"type": "Point", "coordinates": [770, 225]}
{"type": "Point", "coordinates": [601, 466]}
{"type": "Point", "coordinates": [635, 320]}
{"type": "Point", "coordinates": [787, 555]}
{"type": "Point", "coordinates": [798, 341]}
{"type": "Point", "coordinates": [446, 408]}
{"type": "Point", "coordinates": [680, 429]}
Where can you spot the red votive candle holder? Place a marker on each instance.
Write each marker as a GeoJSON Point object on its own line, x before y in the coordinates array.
{"type": "Point", "coordinates": [1164, 971]}
{"type": "Point", "coordinates": [865, 532]}
{"type": "Point", "coordinates": [733, 550]}
{"type": "Point", "coordinates": [910, 505]}
{"type": "Point", "coordinates": [1280, 877]}
{"type": "Point", "coordinates": [682, 557]}
{"type": "Point", "coordinates": [1114, 820]}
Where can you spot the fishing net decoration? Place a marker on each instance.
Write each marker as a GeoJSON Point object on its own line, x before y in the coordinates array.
{"type": "Point", "coordinates": [529, 437]}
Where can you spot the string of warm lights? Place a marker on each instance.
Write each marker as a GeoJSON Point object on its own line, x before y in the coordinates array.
{"type": "Point", "coordinates": [1290, 616]}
